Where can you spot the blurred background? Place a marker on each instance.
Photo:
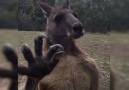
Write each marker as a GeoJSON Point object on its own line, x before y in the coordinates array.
{"type": "Point", "coordinates": [97, 15]}
{"type": "Point", "coordinates": [106, 21]}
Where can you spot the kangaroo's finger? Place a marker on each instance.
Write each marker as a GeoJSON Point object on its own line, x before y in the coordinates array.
{"type": "Point", "coordinates": [53, 49]}
{"type": "Point", "coordinates": [38, 42]}
{"type": "Point", "coordinates": [56, 58]}
{"type": "Point", "coordinates": [10, 54]}
{"type": "Point", "coordinates": [28, 54]}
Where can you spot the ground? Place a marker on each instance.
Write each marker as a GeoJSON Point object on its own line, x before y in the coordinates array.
{"type": "Point", "coordinates": [120, 59]}
{"type": "Point", "coordinates": [96, 45]}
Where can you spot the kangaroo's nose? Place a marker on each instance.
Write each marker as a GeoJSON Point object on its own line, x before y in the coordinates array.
{"type": "Point", "coordinates": [78, 28]}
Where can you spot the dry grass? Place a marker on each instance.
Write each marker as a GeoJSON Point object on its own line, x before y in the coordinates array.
{"type": "Point", "coordinates": [97, 46]}
{"type": "Point", "coordinates": [120, 59]}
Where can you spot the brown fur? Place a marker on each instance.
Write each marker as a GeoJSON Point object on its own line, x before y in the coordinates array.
{"type": "Point", "coordinates": [76, 70]}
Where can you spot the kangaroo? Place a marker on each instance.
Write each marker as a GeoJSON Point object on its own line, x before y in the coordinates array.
{"type": "Point", "coordinates": [56, 70]}
{"type": "Point", "coordinates": [75, 70]}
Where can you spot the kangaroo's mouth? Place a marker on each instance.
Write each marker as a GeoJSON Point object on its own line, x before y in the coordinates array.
{"type": "Point", "coordinates": [77, 34]}
{"type": "Point", "coordinates": [77, 30]}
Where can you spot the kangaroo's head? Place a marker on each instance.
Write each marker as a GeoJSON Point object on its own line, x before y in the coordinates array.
{"type": "Point", "coordinates": [62, 22]}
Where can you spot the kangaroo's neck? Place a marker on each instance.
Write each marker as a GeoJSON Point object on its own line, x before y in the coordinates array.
{"type": "Point", "coordinates": [68, 44]}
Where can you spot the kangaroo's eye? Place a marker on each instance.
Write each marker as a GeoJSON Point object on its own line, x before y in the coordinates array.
{"type": "Point", "coordinates": [58, 18]}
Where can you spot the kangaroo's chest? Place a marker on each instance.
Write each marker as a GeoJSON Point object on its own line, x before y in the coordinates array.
{"type": "Point", "coordinates": [67, 75]}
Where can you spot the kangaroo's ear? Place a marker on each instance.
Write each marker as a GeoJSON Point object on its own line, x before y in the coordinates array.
{"type": "Point", "coordinates": [47, 9]}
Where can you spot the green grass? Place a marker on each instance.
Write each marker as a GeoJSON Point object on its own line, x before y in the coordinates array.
{"type": "Point", "coordinates": [96, 45]}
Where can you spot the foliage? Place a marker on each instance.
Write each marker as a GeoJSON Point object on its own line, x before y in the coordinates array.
{"type": "Point", "coordinates": [30, 16]}
{"type": "Point", "coordinates": [96, 15]}
{"type": "Point", "coordinates": [93, 14]}
{"type": "Point", "coordinates": [120, 15]}
{"type": "Point", "coordinates": [8, 10]}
